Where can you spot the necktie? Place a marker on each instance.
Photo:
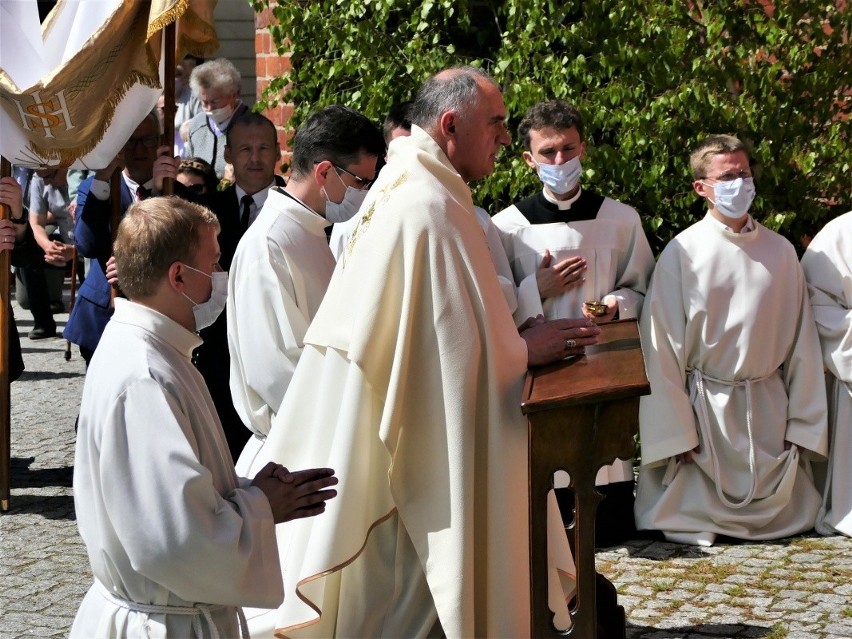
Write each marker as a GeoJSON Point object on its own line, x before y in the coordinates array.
{"type": "Point", "coordinates": [245, 213]}
{"type": "Point", "coordinates": [141, 193]}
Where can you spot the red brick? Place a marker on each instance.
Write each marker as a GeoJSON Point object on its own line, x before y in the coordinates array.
{"type": "Point", "coordinates": [276, 66]}
{"type": "Point", "coordinates": [263, 42]}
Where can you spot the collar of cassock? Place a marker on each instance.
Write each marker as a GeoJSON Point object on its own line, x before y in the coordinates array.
{"type": "Point", "coordinates": [163, 328]}
{"type": "Point", "coordinates": [538, 209]}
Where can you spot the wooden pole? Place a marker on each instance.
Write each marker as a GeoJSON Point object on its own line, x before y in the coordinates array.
{"type": "Point", "coordinates": [72, 297]}
{"type": "Point", "coordinates": [169, 96]}
{"type": "Point", "coordinates": [5, 394]}
{"type": "Point", "coordinates": [115, 215]}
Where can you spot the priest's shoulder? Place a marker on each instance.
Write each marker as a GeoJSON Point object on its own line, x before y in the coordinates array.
{"type": "Point", "coordinates": [611, 208]}
{"type": "Point", "coordinates": [510, 218]}
{"type": "Point", "coordinates": [777, 241]}
{"type": "Point", "coordinates": [836, 232]}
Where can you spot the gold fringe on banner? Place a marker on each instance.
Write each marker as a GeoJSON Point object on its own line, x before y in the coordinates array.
{"type": "Point", "coordinates": [66, 115]}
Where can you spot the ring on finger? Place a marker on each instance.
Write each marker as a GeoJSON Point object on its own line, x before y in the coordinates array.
{"type": "Point", "coordinates": [570, 343]}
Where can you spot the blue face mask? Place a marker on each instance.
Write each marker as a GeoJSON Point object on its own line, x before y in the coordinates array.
{"type": "Point", "coordinates": [561, 178]}
{"type": "Point", "coordinates": [734, 198]}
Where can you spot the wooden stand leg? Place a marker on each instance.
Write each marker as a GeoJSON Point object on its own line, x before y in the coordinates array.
{"type": "Point", "coordinates": [599, 433]}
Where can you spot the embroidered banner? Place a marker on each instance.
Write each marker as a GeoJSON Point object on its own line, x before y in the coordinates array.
{"type": "Point", "coordinates": [73, 89]}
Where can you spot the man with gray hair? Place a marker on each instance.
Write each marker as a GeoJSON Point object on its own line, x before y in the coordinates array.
{"type": "Point", "coordinates": [410, 383]}
{"type": "Point", "coordinates": [217, 85]}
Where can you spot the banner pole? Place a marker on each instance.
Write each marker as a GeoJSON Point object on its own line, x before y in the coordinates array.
{"type": "Point", "coordinates": [5, 392]}
{"type": "Point", "coordinates": [169, 95]}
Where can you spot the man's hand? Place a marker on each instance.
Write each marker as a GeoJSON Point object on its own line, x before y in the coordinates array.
{"type": "Point", "coordinates": [10, 195]}
{"type": "Point", "coordinates": [555, 279]}
{"type": "Point", "coordinates": [106, 173]}
{"type": "Point", "coordinates": [547, 341]}
{"type": "Point", "coordinates": [297, 494]}
{"type": "Point", "coordinates": [9, 233]}
{"type": "Point", "coordinates": [165, 166]}
{"type": "Point", "coordinates": [57, 254]}
{"type": "Point", "coordinates": [111, 271]}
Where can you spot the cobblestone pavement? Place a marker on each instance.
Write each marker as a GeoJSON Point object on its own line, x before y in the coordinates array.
{"type": "Point", "coordinates": [798, 588]}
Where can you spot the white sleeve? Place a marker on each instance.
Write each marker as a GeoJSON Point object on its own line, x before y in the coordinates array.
{"type": "Point", "coordinates": [174, 526]}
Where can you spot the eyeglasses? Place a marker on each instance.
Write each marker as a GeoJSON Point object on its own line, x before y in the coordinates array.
{"type": "Point", "coordinates": [731, 176]}
{"type": "Point", "coordinates": [148, 141]}
{"type": "Point", "coordinates": [363, 183]}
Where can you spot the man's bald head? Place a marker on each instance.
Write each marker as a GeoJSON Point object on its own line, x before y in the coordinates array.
{"type": "Point", "coordinates": [462, 110]}
{"type": "Point", "coordinates": [455, 89]}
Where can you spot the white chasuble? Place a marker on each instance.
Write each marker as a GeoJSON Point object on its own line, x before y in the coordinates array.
{"type": "Point", "coordinates": [166, 522]}
{"type": "Point", "coordinates": [828, 270]}
{"type": "Point", "coordinates": [342, 231]}
{"type": "Point", "coordinates": [409, 387]}
{"type": "Point", "coordinates": [733, 358]}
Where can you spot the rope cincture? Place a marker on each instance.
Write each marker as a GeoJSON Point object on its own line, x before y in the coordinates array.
{"type": "Point", "coordinates": [199, 613]}
{"type": "Point", "coordinates": [752, 461]}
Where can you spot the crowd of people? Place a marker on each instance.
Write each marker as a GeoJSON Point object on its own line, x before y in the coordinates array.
{"type": "Point", "coordinates": [365, 316]}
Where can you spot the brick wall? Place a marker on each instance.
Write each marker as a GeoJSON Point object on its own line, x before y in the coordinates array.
{"type": "Point", "coordinates": [269, 65]}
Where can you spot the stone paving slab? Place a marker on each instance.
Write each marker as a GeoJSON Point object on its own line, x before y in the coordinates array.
{"type": "Point", "coordinates": [799, 588]}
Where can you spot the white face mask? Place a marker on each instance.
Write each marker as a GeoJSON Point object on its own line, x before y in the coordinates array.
{"type": "Point", "coordinates": [561, 178]}
{"type": "Point", "coordinates": [220, 115]}
{"type": "Point", "coordinates": [734, 198]}
{"type": "Point", "coordinates": [336, 212]}
{"type": "Point", "coordinates": [205, 313]}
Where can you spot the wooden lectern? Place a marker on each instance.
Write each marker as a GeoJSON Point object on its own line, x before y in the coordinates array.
{"type": "Point", "coordinates": [583, 413]}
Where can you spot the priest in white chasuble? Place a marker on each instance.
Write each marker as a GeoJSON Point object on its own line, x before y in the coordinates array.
{"type": "Point", "coordinates": [410, 382]}
{"type": "Point", "coordinates": [737, 409]}
{"type": "Point", "coordinates": [828, 270]}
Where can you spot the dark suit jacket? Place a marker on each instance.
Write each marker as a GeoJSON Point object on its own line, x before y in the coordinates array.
{"type": "Point", "coordinates": [93, 237]}
{"type": "Point", "coordinates": [226, 206]}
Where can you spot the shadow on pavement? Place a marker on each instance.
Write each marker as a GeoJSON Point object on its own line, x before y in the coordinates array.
{"type": "Point", "coordinates": [34, 376]}
{"type": "Point", "coordinates": [48, 506]}
{"type": "Point", "coordinates": [722, 631]}
{"type": "Point", "coordinates": [25, 477]}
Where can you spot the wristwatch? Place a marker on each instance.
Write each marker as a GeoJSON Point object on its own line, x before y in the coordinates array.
{"type": "Point", "coordinates": [20, 220]}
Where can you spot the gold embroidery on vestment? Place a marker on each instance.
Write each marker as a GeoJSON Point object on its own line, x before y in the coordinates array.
{"type": "Point", "coordinates": [364, 222]}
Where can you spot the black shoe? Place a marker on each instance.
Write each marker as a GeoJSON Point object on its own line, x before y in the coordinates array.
{"type": "Point", "coordinates": [41, 333]}
{"type": "Point", "coordinates": [57, 307]}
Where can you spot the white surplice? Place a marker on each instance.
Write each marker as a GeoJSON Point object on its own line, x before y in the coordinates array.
{"type": "Point", "coordinates": [277, 280]}
{"type": "Point", "coordinates": [409, 387]}
{"type": "Point", "coordinates": [613, 244]}
{"type": "Point", "coordinates": [828, 270]}
{"type": "Point", "coordinates": [619, 261]}
{"type": "Point", "coordinates": [733, 358]}
{"type": "Point", "coordinates": [165, 520]}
